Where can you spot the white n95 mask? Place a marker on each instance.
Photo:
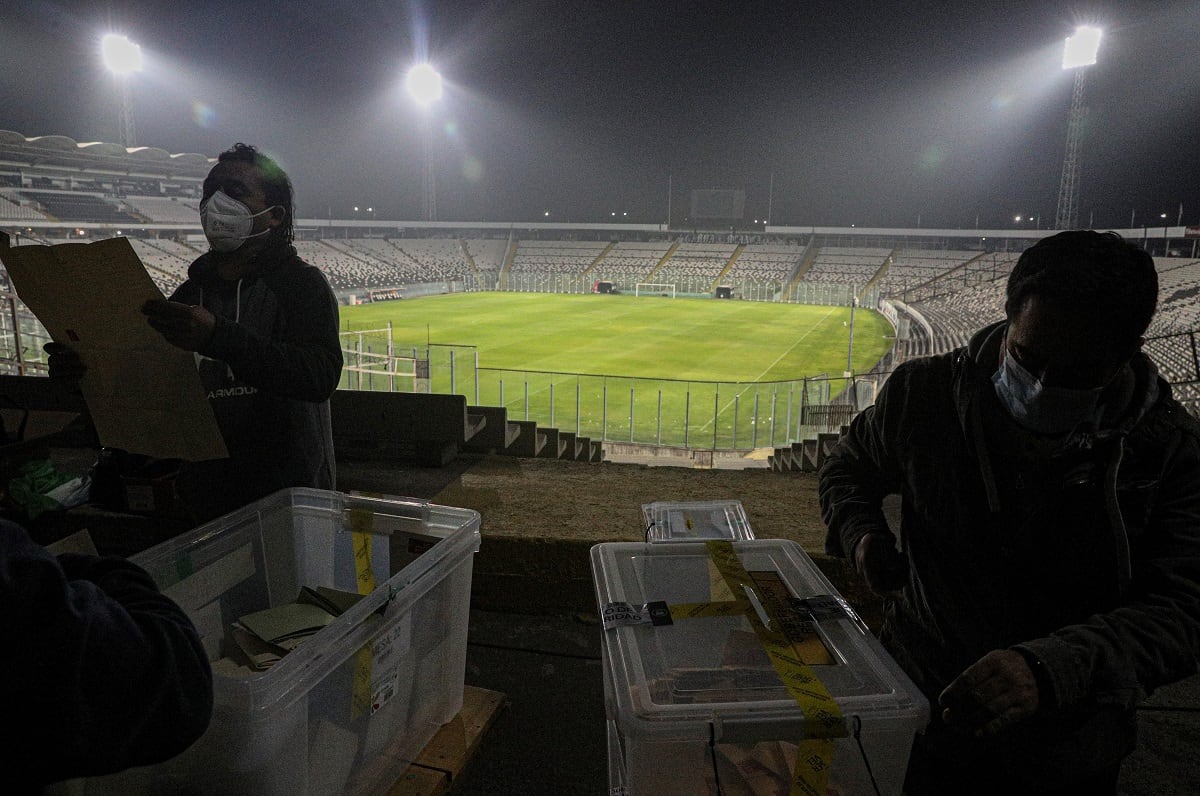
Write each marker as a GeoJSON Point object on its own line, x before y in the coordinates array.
{"type": "Point", "coordinates": [227, 222]}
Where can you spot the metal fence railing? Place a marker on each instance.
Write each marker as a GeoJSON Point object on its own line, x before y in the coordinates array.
{"type": "Point", "coordinates": [653, 411]}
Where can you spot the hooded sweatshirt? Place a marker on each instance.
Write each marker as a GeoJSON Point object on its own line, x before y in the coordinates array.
{"type": "Point", "coordinates": [272, 363]}
{"type": "Point", "coordinates": [1080, 551]}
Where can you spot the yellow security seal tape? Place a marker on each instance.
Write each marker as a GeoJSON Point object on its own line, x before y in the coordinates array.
{"type": "Point", "coordinates": [362, 522]}
{"type": "Point", "coordinates": [822, 718]}
{"type": "Point", "coordinates": [785, 628]}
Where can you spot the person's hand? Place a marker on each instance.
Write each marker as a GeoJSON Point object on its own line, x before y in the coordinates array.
{"type": "Point", "coordinates": [881, 565]}
{"type": "Point", "coordinates": [993, 693]}
{"type": "Point", "coordinates": [182, 325]}
{"type": "Point", "coordinates": [65, 365]}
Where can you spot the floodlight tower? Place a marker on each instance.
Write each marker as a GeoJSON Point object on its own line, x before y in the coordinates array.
{"type": "Point", "coordinates": [1079, 52]}
{"type": "Point", "coordinates": [424, 85]}
{"type": "Point", "coordinates": [123, 58]}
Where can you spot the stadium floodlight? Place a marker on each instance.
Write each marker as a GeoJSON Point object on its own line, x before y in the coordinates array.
{"type": "Point", "coordinates": [424, 85]}
{"type": "Point", "coordinates": [1079, 51]}
{"type": "Point", "coordinates": [1081, 48]}
{"type": "Point", "coordinates": [122, 57]}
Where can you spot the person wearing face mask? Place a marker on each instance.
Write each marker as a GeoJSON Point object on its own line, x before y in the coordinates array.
{"type": "Point", "coordinates": [264, 327]}
{"type": "Point", "coordinates": [1048, 576]}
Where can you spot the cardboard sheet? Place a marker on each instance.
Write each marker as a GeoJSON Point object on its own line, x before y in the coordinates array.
{"type": "Point", "coordinates": [144, 394]}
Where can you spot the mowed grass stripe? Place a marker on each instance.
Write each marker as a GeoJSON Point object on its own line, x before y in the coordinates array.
{"type": "Point", "coordinates": [650, 337]}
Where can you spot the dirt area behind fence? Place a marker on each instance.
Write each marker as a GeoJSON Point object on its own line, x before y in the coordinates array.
{"type": "Point", "coordinates": [540, 517]}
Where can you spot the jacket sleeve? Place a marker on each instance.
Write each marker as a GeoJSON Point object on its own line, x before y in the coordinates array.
{"type": "Point", "coordinates": [1153, 637]}
{"type": "Point", "coordinates": [100, 671]}
{"type": "Point", "coordinates": [305, 362]}
{"type": "Point", "coordinates": [862, 469]}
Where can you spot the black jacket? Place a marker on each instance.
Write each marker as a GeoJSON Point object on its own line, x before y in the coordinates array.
{"type": "Point", "coordinates": [272, 363]}
{"type": "Point", "coordinates": [98, 672]}
{"type": "Point", "coordinates": [1085, 557]}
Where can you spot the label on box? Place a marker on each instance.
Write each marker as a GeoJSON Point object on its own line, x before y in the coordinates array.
{"type": "Point", "coordinates": [821, 607]}
{"type": "Point", "coordinates": [383, 688]}
{"type": "Point", "coordinates": [621, 614]}
{"type": "Point", "coordinates": [377, 671]}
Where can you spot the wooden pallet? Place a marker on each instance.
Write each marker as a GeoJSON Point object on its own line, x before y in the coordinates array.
{"type": "Point", "coordinates": [447, 754]}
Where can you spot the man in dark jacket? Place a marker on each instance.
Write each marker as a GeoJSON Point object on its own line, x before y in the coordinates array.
{"type": "Point", "coordinates": [264, 327]}
{"type": "Point", "coordinates": [98, 672]}
{"type": "Point", "coordinates": [1049, 576]}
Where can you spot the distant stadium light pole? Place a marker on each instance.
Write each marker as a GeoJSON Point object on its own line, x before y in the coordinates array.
{"type": "Point", "coordinates": [424, 85]}
{"type": "Point", "coordinates": [122, 57]}
{"type": "Point", "coordinates": [1079, 52]}
{"type": "Point", "coordinates": [850, 347]}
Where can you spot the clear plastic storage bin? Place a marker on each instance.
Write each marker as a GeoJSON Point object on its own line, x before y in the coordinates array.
{"type": "Point", "coordinates": [670, 521]}
{"type": "Point", "coordinates": [698, 701]}
{"type": "Point", "coordinates": [347, 710]}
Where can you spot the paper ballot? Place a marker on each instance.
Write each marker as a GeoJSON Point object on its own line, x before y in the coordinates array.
{"type": "Point", "coordinates": [144, 394]}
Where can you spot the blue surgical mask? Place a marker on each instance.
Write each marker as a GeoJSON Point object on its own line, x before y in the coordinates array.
{"type": "Point", "coordinates": [1038, 408]}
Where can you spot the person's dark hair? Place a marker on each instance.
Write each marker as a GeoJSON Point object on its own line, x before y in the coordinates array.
{"type": "Point", "coordinates": [277, 188]}
{"type": "Point", "coordinates": [1099, 273]}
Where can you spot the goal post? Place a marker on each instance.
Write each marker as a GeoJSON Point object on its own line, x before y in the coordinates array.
{"type": "Point", "coordinates": [371, 361]}
{"type": "Point", "coordinates": [653, 289]}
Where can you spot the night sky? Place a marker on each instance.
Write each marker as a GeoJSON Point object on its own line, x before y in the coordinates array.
{"type": "Point", "coordinates": [865, 113]}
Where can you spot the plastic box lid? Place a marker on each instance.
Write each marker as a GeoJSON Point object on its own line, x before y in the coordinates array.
{"type": "Point", "coordinates": [667, 521]}
{"type": "Point", "coordinates": [672, 681]}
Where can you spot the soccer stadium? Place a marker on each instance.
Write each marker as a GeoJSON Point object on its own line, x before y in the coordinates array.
{"type": "Point", "coordinates": [733, 351]}
{"type": "Point", "coordinates": [796, 373]}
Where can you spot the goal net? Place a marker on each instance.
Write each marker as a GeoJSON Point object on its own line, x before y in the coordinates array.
{"type": "Point", "coordinates": [653, 289]}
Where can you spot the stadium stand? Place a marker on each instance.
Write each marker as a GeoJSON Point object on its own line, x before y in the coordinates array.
{"type": "Point", "coordinates": [705, 261]}
{"type": "Point", "coordinates": [630, 262]}
{"type": "Point", "coordinates": [1178, 296]}
{"type": "Point", "coordinates": [347, 268]}
{"type": "Point", "coordinates": [166, 260]}
{"type": "Point", "coordinates": [556, 257]}
{"type": "Point", "coordinates": [164, 209]}
{"type": "Point", "coordinates": [488, 255]}
{"type": "Point", "coordinates": [439, 258]}
{"type": "Point", "coordinates": [847, 265]}
{"type": "Point", "coordinates": [78, 207]}
{"type": "Point", "coordinates": [911, 267]}
{"type": "Point", "coordinates": [765, 263]}
{"type": "Point", "coordinates": [15, 207]}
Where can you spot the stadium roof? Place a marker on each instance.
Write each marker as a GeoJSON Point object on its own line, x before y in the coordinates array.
{"type": "Point", "coordinates": [60, 151]}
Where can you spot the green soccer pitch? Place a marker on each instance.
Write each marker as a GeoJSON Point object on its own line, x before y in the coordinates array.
{"type": "Point", "coordinates": [683, 371]}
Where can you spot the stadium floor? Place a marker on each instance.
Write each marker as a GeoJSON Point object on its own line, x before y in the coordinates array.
{"type": "Point", "coordinates": [533, 634]}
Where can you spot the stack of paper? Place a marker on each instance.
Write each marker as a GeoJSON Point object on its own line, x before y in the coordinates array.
{"type": "Point", "coordinates": [266, 636]}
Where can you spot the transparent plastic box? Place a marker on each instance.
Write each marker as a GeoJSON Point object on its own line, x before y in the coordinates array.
{"type": "Point", "coordinates": [698, 700]}
{"type": "Point", "coordinates": [675, 521]}
{"type": "Point", "coordinates": [347, 710]}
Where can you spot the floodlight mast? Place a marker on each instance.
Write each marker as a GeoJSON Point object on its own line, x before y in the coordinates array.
{"type": "Point", "coordinates": [424, 85]}
{"type": "Point", "coordinates": [1078, 52]}
{"type": "Point", "coordinates": [122, 57]}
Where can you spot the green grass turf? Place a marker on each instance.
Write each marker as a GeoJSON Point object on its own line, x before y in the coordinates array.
{"type": "Point", "coordinates": [719, 368]}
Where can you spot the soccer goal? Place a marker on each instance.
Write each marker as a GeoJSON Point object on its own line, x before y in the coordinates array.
{"type": "Point", "coordinates": [372, 362]}
{"type": "Point", "coordinates": [653, 289]}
